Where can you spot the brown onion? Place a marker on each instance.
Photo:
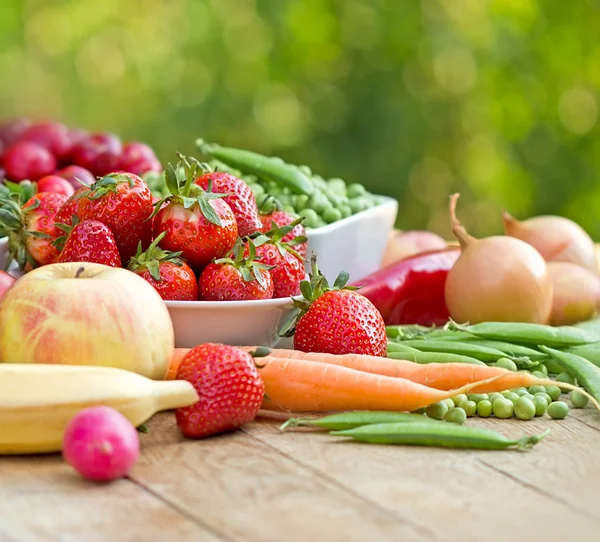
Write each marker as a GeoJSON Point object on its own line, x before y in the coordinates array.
{"type": "Point", "coordinates": [497, 279]}
{"type": "Point", "coordinates": [576, 293]}
{"type": "Point", "coordinates": [556, 238]}
{"type": "Point", "coordinates": [402, 244]}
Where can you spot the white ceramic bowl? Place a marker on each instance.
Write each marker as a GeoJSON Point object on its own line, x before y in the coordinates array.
{"type": "Point", "coordinates": [355, 244]}
{"type": "Point", "coordinates": [239, 323]}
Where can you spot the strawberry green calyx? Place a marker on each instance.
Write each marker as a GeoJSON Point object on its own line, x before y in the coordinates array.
{"type": "Point", "coordinates": [269, 204]}
{"type": "Point", "coordinates": [152, 257]}
{"type": "Point", "coordinates": [312, 289]}
{"type": "Point", "coordinates": [59, 242]}
{"type": "Point", "coordinates": [183, 190]}
{"type": "Point", "coordinates": [248, 266]}
{"type": "Point", "coordinates": [105, 185]}
{"type": "Point", "coordinates": [275, 235]}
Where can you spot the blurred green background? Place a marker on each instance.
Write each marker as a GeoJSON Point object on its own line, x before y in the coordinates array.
{"type": "Point", "coordinates": [415, 99]}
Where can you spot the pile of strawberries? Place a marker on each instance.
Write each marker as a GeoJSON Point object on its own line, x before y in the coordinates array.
{"type": "Point", "coordinates": [205, 240]}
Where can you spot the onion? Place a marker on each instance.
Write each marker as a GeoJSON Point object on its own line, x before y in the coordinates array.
{"type": "Point", "coordinates": [556, 238]}
{"type": "Point", "coordinates": [576, 293]}
{"type": "Point", "coordinates": [497, 279]}
{"type": "Point", "coordinates": [402, 244]}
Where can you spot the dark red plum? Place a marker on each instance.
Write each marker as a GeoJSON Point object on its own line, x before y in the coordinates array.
{"type": "Point", "coordinates": [25, 160]}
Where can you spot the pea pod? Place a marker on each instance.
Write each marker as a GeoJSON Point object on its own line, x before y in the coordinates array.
{"type": "Point", "coordinates": [534, 334]}
{"type": "Point", "coordinates": [262, 166]}
{"type": "Point", "coordinates": [433, 357]}
{"type": "Point", "coordinates": [357, 418]}
{"type": "Point", "coordinates": [591, 352]}
{"type": "Point", "coordinates": [586, 373]}
{"type": "Point", "coordinates": [439, 435]}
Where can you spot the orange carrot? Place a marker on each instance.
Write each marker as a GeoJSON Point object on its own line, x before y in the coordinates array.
{"type": "Point", "coordinates": [176, 359]}
{"type": "Point", "coordinates": [441, 376]}
{"type": "Point", "coordinates": [299, 385]}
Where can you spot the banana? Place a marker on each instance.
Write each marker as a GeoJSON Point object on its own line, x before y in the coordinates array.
{"type": "Point", "coordinates": [37, 401]}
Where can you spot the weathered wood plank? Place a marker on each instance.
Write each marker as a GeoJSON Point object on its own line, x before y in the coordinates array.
{"type": "Point", "coordinates": [450, 492]}
{"type": "Point", "coordinates": [249, 492]}
{"type": "Point", "coordinates": [42, 499]}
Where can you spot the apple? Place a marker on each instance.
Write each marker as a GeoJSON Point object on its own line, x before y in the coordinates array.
{"type": "Point", "coordinates": [401, 244]}
{"type": "Point", "coordinates": [6, 281]}
{"type": "Point", "coordinates": [80, 313]}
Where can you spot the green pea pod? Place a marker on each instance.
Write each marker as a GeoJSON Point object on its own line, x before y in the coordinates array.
{"type": "Point", "coordinates": [357, 418]}
{"type": "Point", "coordinates": [438, 435]}
{"type": "Point", "coordinates": [586, 373]}
{"type": "Point", "coordinates": [533, 334]}
{"type": "Point", "coordinates": [262, 166]}
{"type": "Point", "coordinates": [433, 357]}
{"type": "Point", "coordinates": [591, 352]}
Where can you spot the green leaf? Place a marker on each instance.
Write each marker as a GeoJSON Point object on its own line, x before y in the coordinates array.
{"type": "Point", "coordinates": [341, 279]}
{"type": "Point", "coordinates": [188, 203]}
{"type": "Point", "coordinates": [9, 220]}
{"type": "Point", "coordinates": [37, 234]}
{"type": "Point", "coordinates": [154, 269]}
{"type": "Point", "coordinates": [306, 290]}
{"type": "Point", "coordinates": [209, 213]}
{"type": "Point", "coordinates": [171, 179]}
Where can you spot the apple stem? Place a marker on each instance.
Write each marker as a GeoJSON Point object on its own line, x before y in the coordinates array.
{"type": "Point", "coordinates": [79, 271]}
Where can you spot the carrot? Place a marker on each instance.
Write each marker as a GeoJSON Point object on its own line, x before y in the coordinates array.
{"type": "Point", "coordinates": [176, 359]}
{"type": "Point", "coordinates": [441, 376]}
{"type": "Point", "coordinates": [300, 385]}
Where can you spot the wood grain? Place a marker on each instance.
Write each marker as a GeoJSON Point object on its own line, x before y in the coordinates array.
{"type": "Point", "coordinates": [249, 492]}
{"type": "Point", "coordinates": [456, 492]}
{"type": "Point", "coordinates": [42, 499]}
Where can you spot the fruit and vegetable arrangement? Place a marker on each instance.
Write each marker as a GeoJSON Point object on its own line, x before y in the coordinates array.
{"type": "Point", "coordinates": [499, 327]}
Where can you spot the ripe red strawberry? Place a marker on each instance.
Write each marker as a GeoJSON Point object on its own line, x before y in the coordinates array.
{"type": "Point", "coordinates": [30, 228]}
{"type": "Point", "coordinates": [123, 202]}
{"type": "Point", "coordinates": [236, 278]}
{"type": "Point", "coordinates": [230, 388]}
{"type": "Point", "coordinates": [337, 320]}
{"type": "Point", "coordinates": [171, 277]}
{"type": "Point", "coordinates": [88, 241]}
{"type": "Point", "coordinates": [282, 218]}
{"type": "Point", "coordinates": [69, 208]}
{"type": "Point", "coordinates": [287, 266]}
{"type": "Point", "coordinates": [241, 199]}
{"type": "Point", "coordinates": [197, 223]}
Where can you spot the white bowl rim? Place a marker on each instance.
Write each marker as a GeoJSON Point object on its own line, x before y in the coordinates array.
{"type": "Point", "coordinates": [251, 303]}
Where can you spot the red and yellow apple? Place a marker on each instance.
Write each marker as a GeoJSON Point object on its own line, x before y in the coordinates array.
{"type": "Point", "coordinates": [86, 314]}
{"type": "Point", "coordinates": [6, 281]}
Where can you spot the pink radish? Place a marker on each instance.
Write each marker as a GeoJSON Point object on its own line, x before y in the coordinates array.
{"type": "Point", "coordinates": [101, 444]}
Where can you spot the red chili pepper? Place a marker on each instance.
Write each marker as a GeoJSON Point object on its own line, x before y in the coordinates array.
{"type": "Point", "coordinates": [411, 291]}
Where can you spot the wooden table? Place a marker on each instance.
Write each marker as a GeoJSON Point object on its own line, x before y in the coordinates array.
{"type": "Point", "coordinates": [258, 484]}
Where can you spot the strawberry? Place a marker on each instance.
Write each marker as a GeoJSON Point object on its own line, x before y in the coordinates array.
{"type": "Point", "coordinates": [277, 217]}
{"type": "Point", "coordinates": [123, 202]}
{"type": "Point", "coordinates": [171, 277]}
{"type": "Point", "coordinates": [287, 266]}
{"type": "Point", "coordinates": [230, 389]}
{"type": "Point", "coordinates": [236, 278]}
{"type": "Point", "coordinates": [87, 241]}
{"type": "Point", "coordinates": [198, 223]}
{"type": "Point", "coordinates": [238, 196]}
{"type": "Point", "coordinates": [69, 208]}
{"type": "Point", "coordinates": [30, 228]}
{"type": "Point", "coordinates": [336, 320]}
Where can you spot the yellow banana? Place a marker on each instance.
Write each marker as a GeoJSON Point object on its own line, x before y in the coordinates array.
{"type": "Point", "coordinates": [37, 401]}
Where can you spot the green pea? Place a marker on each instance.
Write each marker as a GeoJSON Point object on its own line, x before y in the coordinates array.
{"type": "Point", "coordinates": [524, 408]}
{"type": "Point", "coordinates": [345, 210]}
{"type": "Point", "coordinates": [331, 215]}
{"type": "Point", "coordinates": [558, 410]}
{"type": "Point", "coordinates": [484, 408]}
{"type": "Point", "coordinates": [540, 374]}
{"type": "Point", "coordinates": [455, 415]}
{"type": "Point", "coordinates": [318, 201]}
{"type": "Point", "coordinates": [567, 378]}
{"type": "Point", "coordinates": [437, 410]}
{"type": "Point", "coordinates": [521, 392]}
{"type": "Point", "coordinates": [319, 182]}
{"type": "Point", "coordinates": [477, 397]}
{"type": "Point", "coordinates": [529, 396]}
{"type": "Point", "coordinates": [300, 202]}
{"type": "Point", "coordinates": [470, 407]}
{"type": "Point", "coordinates": [506, 363]}
{"type": "Point", "coordinates": [578, 399]}
{"type": "Point", "coordinates": [358, 205]}
{"type": "Point", "coordinates": [257, 190]}
{"type": "Point", "coordinates": [355, 190]}
{"type": "Point", "coordinates": [494, 396]}
{"type": "Point", "coordinates": [459, 399]}
{"type": "Point", "coordinates": [553, 366]}
{"type": "Point", "coordinates": [289, 209]}
{"type": "Point", "coordinates": [554, 392]}
{"type": "Point", "coordinates": [338, 186]}
{"type": "Point", "coordinates": [310, 218]}
{"type": "Point", "coordinates": [541, 405]}
{"type": "Point", "coordinates": [541, 368]}
{"type": "Point", "coordinates": [546, 397]}
{"type": "Point", "coordinates": [449, 403]}
{"type": "Point", "coordinates": [510, 395]}
{"type": "Point", "coordinates": [418, 411]}
{"type": "Point", "coordinates": [320, 222]}
{"type": "Point", "coordinates": [306, 170]}
{"type": "Point", "coordinates": [536, 389]}
{"type": "Point", "coordinates": [503, 408]}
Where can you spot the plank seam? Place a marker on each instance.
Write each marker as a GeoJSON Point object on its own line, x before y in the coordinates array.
{"type": "Point", "coordinates": [419, 528]}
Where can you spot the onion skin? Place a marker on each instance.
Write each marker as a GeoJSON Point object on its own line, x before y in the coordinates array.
{"type": "Point", "coordinates": [556, 238]}
{"type": "Point", "coordinates": [576, 293]}
{"type": "Point", "coordinates": [402, 244]}
{"type": "Point", "coordinates": [497, 279]}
